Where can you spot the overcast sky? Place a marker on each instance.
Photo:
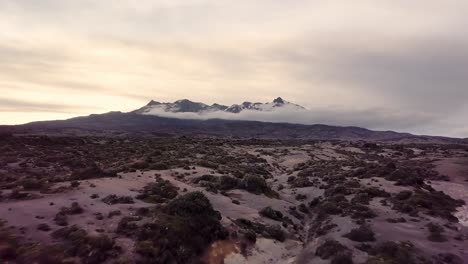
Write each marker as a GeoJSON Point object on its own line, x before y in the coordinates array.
{"type": "Point", "coordinates": [383, 64]}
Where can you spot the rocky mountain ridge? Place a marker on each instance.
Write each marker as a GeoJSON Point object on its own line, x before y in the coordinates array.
{"type": "Point", "coordinates": [188, 106]}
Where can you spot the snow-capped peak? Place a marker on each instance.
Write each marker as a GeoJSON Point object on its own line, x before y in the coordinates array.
{"type": "Point", "coordinates": [187, 106]}
{"type": "Point", "coordinates": [278, 101]}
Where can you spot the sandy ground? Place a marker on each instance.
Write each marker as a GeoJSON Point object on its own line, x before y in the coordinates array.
{"type": "Point", "coordinates": [267, 251]}
{"type": "Point", "coordinates": [457, 170]}
{"type": "Point", "coordinates": [26, 215]}
{"type": "Point", "coordinates": [22, 214]}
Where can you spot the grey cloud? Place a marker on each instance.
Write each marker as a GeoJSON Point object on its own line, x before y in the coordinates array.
{"type": "Point", "coordinates": [10, 105]}
{"type": "Point", "coordinates": [418, 76]}
{"type": "Point", "coordinates": [431, 78]}
{"type": "Point", "coordinates": [379, 119]}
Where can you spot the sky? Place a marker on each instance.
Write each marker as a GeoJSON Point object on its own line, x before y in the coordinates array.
{"type": "Point", "coordinates": [382, 64]}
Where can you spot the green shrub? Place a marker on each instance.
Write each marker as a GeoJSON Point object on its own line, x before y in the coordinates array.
{"type": "Point", "coordinates": [181, 231]}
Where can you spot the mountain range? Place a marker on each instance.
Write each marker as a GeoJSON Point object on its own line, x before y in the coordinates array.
{"type": "Point", "coordinates": [187, 106]}
{"type": "Point", "coordinates": [150, 120]}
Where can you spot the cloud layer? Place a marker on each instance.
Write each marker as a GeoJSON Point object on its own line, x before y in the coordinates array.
{"type": "Point", "coordinates": [376, 118]}
{"type": "Point", "coordinates": [381, 64]}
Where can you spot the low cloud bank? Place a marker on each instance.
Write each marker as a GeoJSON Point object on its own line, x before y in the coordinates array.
{"type": "Point", "coordinates": [377, 119]}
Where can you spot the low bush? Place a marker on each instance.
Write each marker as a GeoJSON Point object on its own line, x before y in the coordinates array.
{"type": "Point", "coordinates": [91, 172]}
{"type": "Point", "coordinates": [43, 227]}
{"type": "Point", "coordinates": [114, 213]}
{"type": "Point", "coordinates": [361, 234]}
{"type": "Point", "coordinates": [32, 184]}
{"type": "Point", "coordinates": [160, 191]}
{"type": "Point", "coordinates": [392, 253]}
{"type": "Point", "coordinates": [433, 203]}
{"type": "Point", "coordinates": [74, 209]}
{"type": "Point", "coordinates": [342, 258]}
{"type": "Point", "coordinates": [127, 226]}
{"type": "Point", "coordinates": [271, 213]}
{"type": "Point", "coordinates": [114, 199]}
{"type": "Point", "coordinates": [91, 249]}
{"type": "Point", "coordinates": [274, 232]}
{"type": "Point", "coordinates": [436, 233]}
{"type": "Point", "coordinates": [180, 231]}
{"type": "Point", "coordinates": [329, 249]}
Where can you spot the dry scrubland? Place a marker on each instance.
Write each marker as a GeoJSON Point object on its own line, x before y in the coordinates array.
{"type": "Point", "coordinates": [181, 200]}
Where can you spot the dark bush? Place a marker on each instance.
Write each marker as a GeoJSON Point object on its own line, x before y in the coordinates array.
{"type": "Point", "coordinates": [257, 185]}
{"type": "Point", "coordinates": [361, 234]}
{"type": "Point", "coordinates": [274, 232]}
{"type": "Point", "coordinates": [300, 182]}
{"type": "Point", "coordinates": [342, 258]}
{"type": "Point", "coordinates": [91, 249]}
{"type": "Point", "coordinates": [271, 213]}
{"type": "Point", "coordinates": [303, 208]}
{"type": "Point", "coordinates": [74, 209]}
{"type": "Point", "coordinates": [158, 192]}
{"type": "Point", "coordinates": [31, 184]}
{"type": "Point", "coordinates": [329, 208]}
{"type": "Point", "coordinates": [329, 249]}
{"type": "Point", "coordinates": [91, 172]}
{"type": "Point", "coordinates": [250, 235]}
{"type": "Point", "coordinates": [74, 184]}
{"type": "Point", "coordinates": [181, 231]}
{"type": "Point", "coordinates": [392, 253]}
{"type": "Point", "coordinates": [403, 195]}
{"type": "Point", "coordinates": [127, 226]}
{"type": "Point", "coordinates": [61, 219]}
{"type": "Point", "coordinates": [436, 233]}
{"type": "Point", "coordinates": [159, 166]}
{"type": "Point", "coordinates": [114, 213]}
{"type": "Point", "coordinates": [114, 199]}
{"type": "Point", "coordinates": [206, 177]}
{"type": "Point", "coordinates": [228, 183]}
{"type": "Point", "coordinates": [449, 258]}
{"type": "Point", "coordinates": [433, 203]}
{"type": "Point", "coordinates": [43, 227]}
{"type": "Point", "coordinates": [301, 197]}
{"type": "Point", "coordinates": [140, 165]}
{"type": "Point", "coordinates": [358, 211]}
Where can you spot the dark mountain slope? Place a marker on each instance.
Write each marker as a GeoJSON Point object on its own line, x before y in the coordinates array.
{"type": "Point", "coordinates": [131, 123]}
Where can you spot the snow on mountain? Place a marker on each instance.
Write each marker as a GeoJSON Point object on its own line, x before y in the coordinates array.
{"type": "Point", "coordinates": [187, 106]}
